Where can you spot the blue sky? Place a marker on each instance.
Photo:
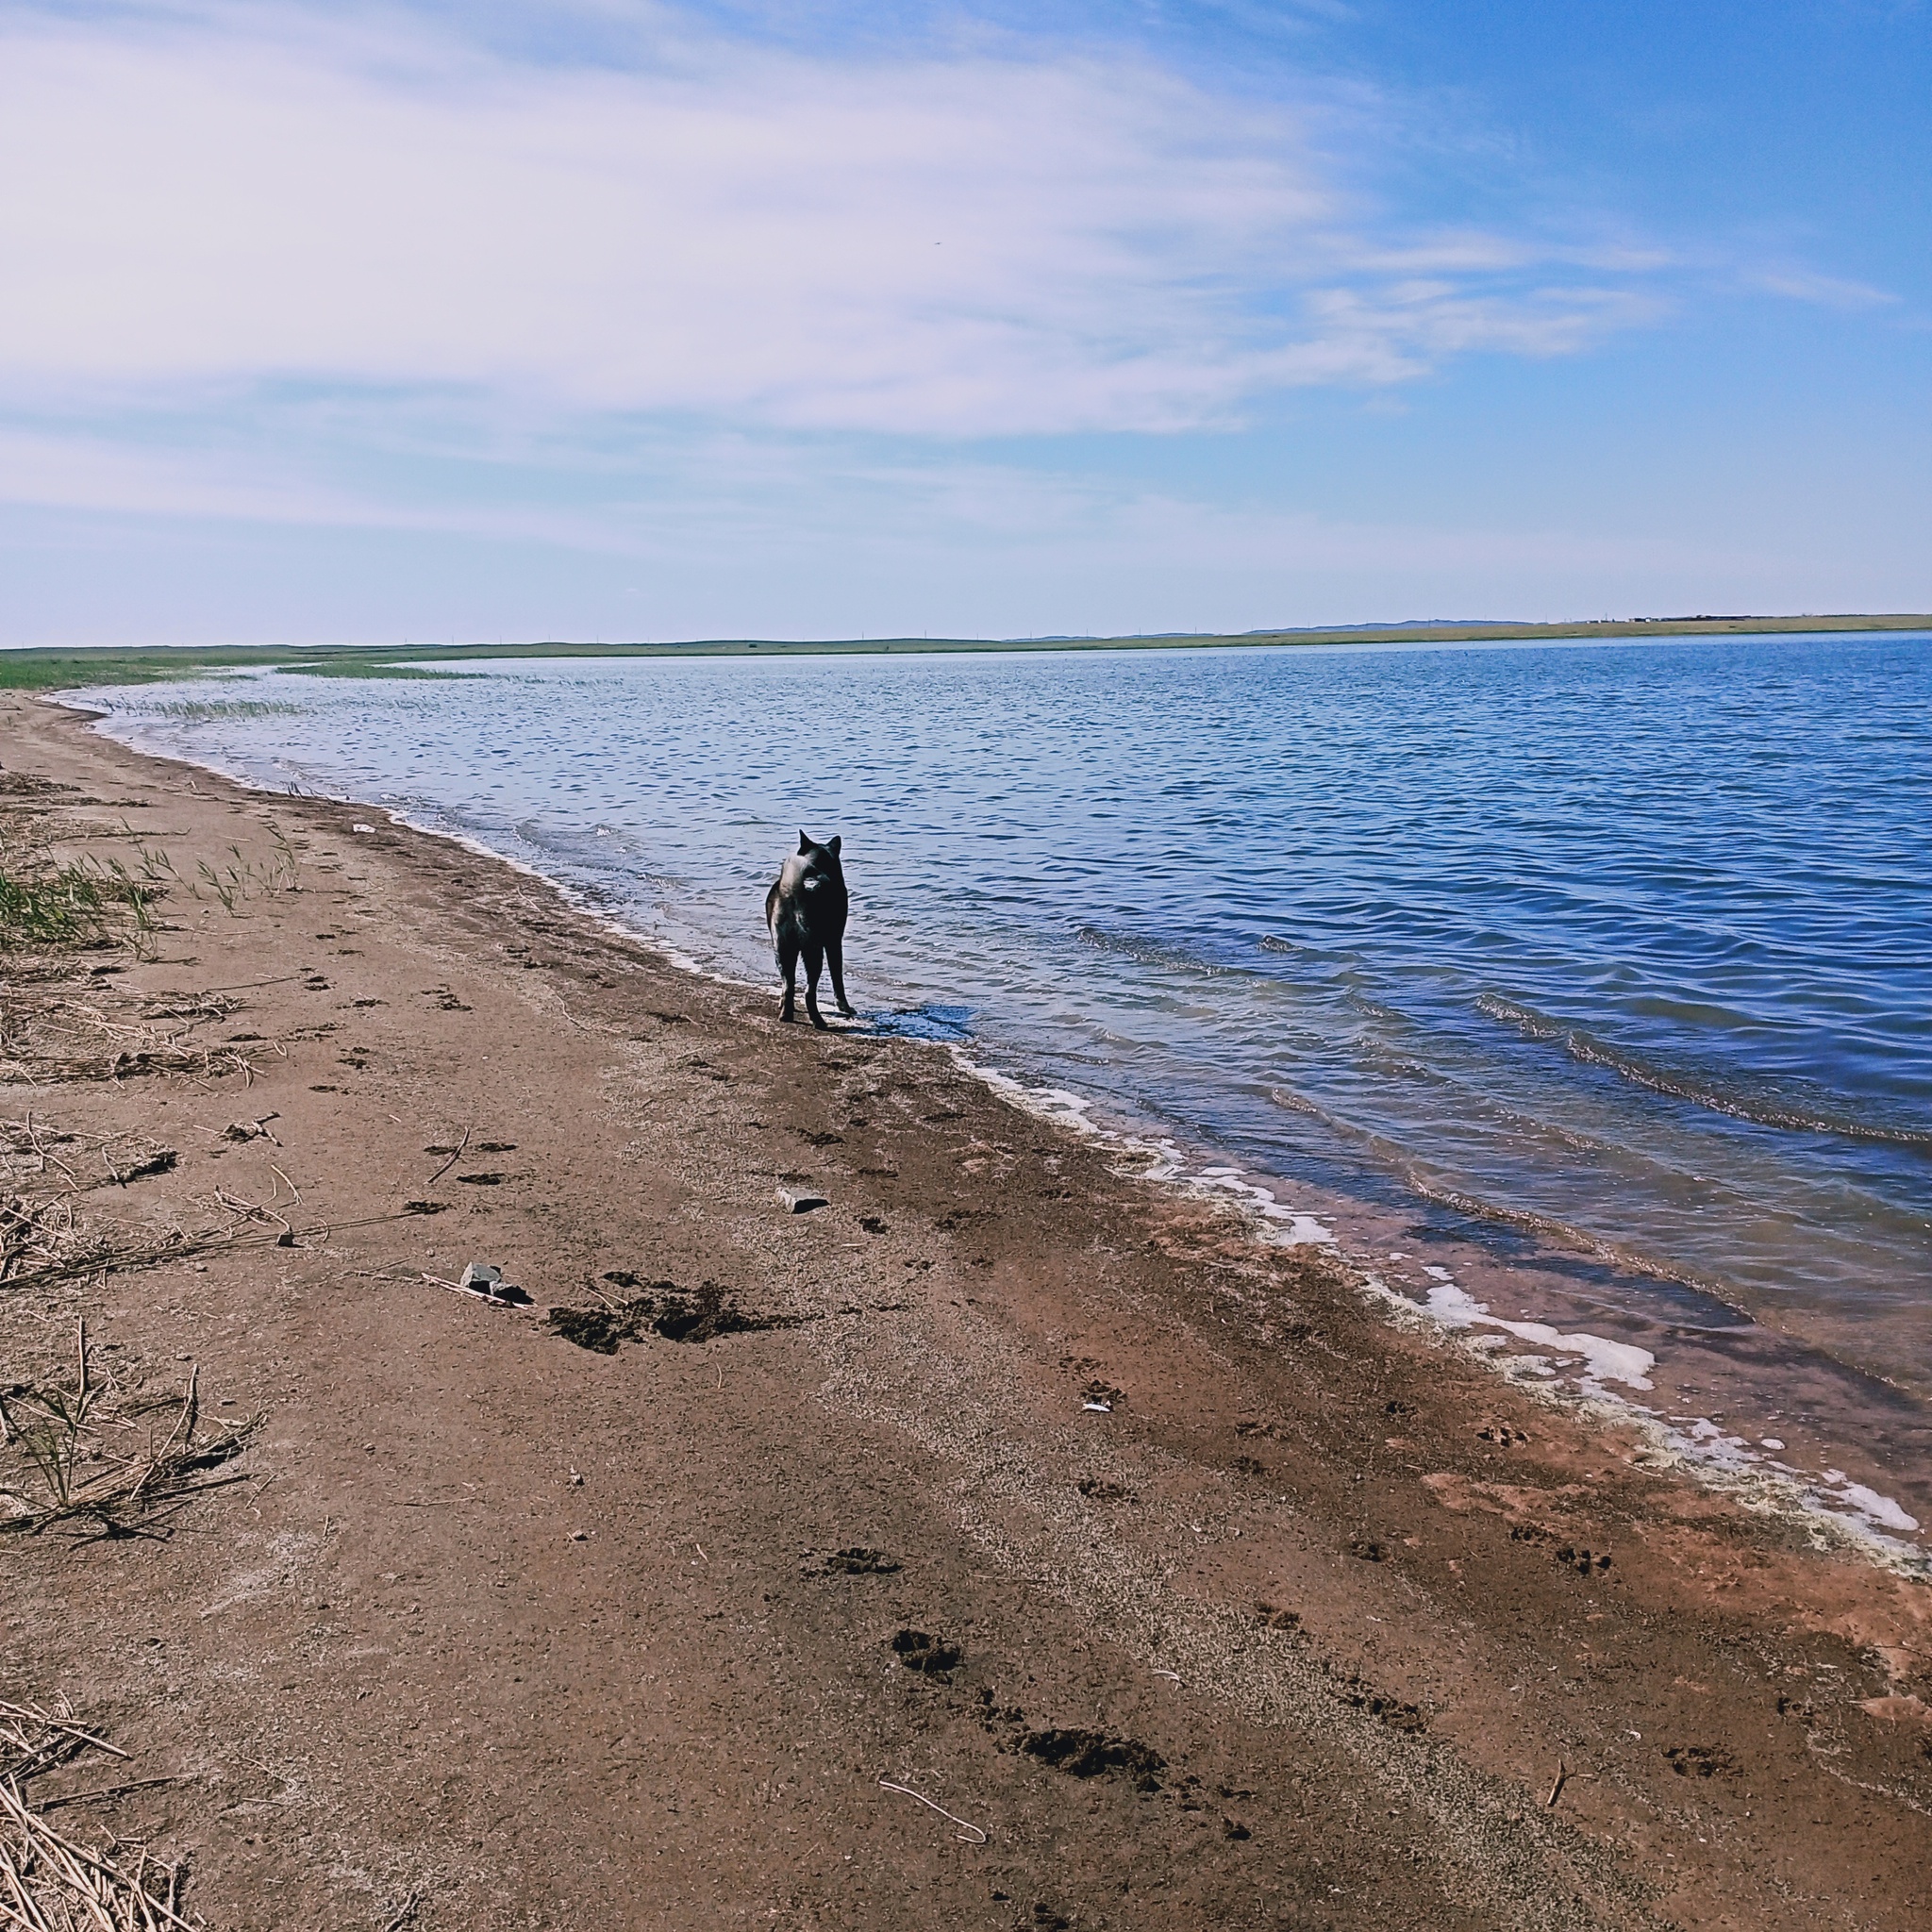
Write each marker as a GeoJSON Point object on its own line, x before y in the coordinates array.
{"type": "Point", "coordinates": [604, 319]}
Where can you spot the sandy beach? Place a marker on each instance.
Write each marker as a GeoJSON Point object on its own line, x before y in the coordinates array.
{"type": "Point", "coordinates": [1005, 1543]}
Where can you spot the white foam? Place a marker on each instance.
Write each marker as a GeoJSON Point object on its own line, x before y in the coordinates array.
{"type": "Point", "coordinates": [1605, 1360]}
{"type": "Point", "coordinates": [1834, 1509]}
{"type": "Point", "coordinates": [1162, 1162]}
{"type": "Point", "coordinates": [1883, 1510]}
{"type": "Point", "coordinates": [1289, 1227]}
{"type": "Point", "coordinates": [1055, 1104]}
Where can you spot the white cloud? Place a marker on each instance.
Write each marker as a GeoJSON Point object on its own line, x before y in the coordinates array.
{"type": "Point", "coordinates": [985, 244]}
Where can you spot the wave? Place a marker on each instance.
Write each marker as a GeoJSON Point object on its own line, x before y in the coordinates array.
{"type": "Point", "coordinates": [1567, 1234]}
{"type": "Point", "coordinates": [1784, 1115]}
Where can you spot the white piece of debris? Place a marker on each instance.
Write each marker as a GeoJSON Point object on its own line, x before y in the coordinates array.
{"type": "Point", "coordinates": [1098, 1408]}
{"type": "Point", "coordinates": [801, 1204]}
{"type": "Point", "coordinates": [360, 827]}
{"type": "Point", "coordinates": [487, 1284]}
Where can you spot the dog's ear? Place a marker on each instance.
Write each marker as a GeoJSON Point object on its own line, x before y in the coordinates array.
{"type": "Point", "coordinates": [804, 845]}
{"type": "Point", "coordinates": [833, 847]}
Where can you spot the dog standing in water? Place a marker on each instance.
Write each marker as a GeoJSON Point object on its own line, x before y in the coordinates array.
{"type": "Point", "coordinates": [805, 912]}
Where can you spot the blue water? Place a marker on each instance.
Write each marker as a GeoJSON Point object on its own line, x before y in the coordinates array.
{"type": "Point", "coordinates": [1628, 945]}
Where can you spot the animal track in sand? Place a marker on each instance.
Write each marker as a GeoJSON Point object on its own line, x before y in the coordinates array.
{"type": "Point", "coordinates": [917, 1650]}
{"type": "Point", "coordinates": [859, 1561]}
{"type": "Point", "coordinates": [1582, 1561]}
{"type": "Point", "coordinates": [1095, 1753]}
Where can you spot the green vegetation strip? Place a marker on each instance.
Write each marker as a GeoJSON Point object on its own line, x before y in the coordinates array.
{"type": "Point", "coordinates": [85, 905]}
{"type": "Point", "coordinates": [70, 669]}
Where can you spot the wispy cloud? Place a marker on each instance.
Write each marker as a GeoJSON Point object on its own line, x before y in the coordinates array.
{"type": "Point", "coordinates": [1823, 291]}
{"type": "Point", "coordinates": [992, 243]}
{"type": "Point", "coordinates": [567, 308]}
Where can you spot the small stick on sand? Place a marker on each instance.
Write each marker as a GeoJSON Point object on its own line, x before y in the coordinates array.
{"type": "Point", "coordinates": [406, 1914]}
{"type": "Point", "coordinates": [142, 1784]}
{"type": "Point", "coordinates": [1557, 1788]}
{"type": "Point", "coordinates": [455, 1157]}
{"type": "Point", "coordinates": [967, 1834]}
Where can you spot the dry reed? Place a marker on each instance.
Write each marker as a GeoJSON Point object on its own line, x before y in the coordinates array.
{"type": "Point", "coordinates": [75, 1457]}
{"type": "Point", "coordinates": [52, 1883]}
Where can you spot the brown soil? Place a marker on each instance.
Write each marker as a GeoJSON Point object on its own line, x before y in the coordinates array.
{"type": "Point", "coordinates": [618, 1618]}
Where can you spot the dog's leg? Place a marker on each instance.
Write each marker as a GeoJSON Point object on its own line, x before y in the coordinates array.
{"type": "Point", "coordinates": [814, 960]}
{"type": "Point", "coordinates": [788, 968]}
{"type": "Point", "coordinates": [834, 959]}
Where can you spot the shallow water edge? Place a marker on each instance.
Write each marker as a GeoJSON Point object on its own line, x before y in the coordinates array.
{"type": "Point", "coordinates": [1847, 1485]}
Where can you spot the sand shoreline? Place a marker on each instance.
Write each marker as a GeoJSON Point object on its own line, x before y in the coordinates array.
{"type": "Point", "coordinates": [1344, 1586]}
{"type": "Point", "coordinates": [1842, 1475]}
{"type": "Point", "coordinates": [1726, 1382]}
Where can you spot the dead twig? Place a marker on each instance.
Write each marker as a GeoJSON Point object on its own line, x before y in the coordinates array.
{"type": "Point", "coordinates": [248, 1210]}
{"type": "Point", "coordinates": [455, 1156]}
{"type": "Point", "coordinates": [183, 1246]}
{"type": "Point", "coordinates": [1557, 1788]}
{"type": "Point", "coordinates": [968, 1834]}
{"type": "Point", "coordinates": [33, 1740]}
{"type": "Point", "coordinates": [406, 1914]}
{"type": "Point", "coordinates": [52, 1883]}
{"type": "Point", "coordinates": [45, 1159]}
{"type": "Point", "coordinates": [71, 1464]}
{"type": "Point", "coordinates": [49, 1874]}
{"type": "Point", "coordinates": [140, 1784]}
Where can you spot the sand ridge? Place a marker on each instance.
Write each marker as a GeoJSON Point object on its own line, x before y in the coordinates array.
{"type": "Point", "coordinates": [1304, 1627]}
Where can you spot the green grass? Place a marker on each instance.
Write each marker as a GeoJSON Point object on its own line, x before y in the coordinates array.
{"type": "Point", "coordinates": [358, 667]}
{"type": "Point", "coordinates": [46, 906]}
{"type": "Point", "coordinates": [199, 711]}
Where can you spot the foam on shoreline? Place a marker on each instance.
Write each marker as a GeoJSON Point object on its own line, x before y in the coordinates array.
{"type": "Point", "coordinates": [1833, 1511]}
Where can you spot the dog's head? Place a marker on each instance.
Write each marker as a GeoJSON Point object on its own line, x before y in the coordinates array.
{"type": "Point", "coordinates": [821, 867]}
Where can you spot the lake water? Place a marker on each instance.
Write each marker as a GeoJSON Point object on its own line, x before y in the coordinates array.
{"type": "Point", "coordinates": [1611, 964]}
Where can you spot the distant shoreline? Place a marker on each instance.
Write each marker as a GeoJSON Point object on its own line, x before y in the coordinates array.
{"type": "Point", "coordinates": [37, 667]}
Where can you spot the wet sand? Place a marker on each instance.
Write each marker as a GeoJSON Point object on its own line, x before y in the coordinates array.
{"type": "Point", "coordinates": [1203, 1592]}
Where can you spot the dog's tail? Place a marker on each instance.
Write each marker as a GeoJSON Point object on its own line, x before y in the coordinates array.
{"type": "Point", "coordinates": [772, 909]}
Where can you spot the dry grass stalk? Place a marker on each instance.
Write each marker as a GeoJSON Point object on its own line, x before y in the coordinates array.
{"type": "Point", "coordinates": [52, 1883]}
{"type": "Point", "coordinates": [202, 1063]}
{"type": "Point", "coordinates": [76, 1459]}
{"type": "Point", "coordinates": [32, 1230]}
{"type": "Point", "coordinates": [33, 1740]}
{"type": "Point", "coordinates": [266, 1231]}
{"type": "Point", "coordinates": [23, 1145]}
{"type": "Point", "coordinates": [57, 1039]}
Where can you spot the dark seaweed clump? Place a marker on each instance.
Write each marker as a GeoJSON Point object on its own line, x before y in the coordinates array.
{"type": "Point", "coordinates": [667, 1311]}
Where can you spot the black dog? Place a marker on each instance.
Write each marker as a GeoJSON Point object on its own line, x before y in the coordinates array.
{"type": "Point", "coordinates": [806, 911]}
